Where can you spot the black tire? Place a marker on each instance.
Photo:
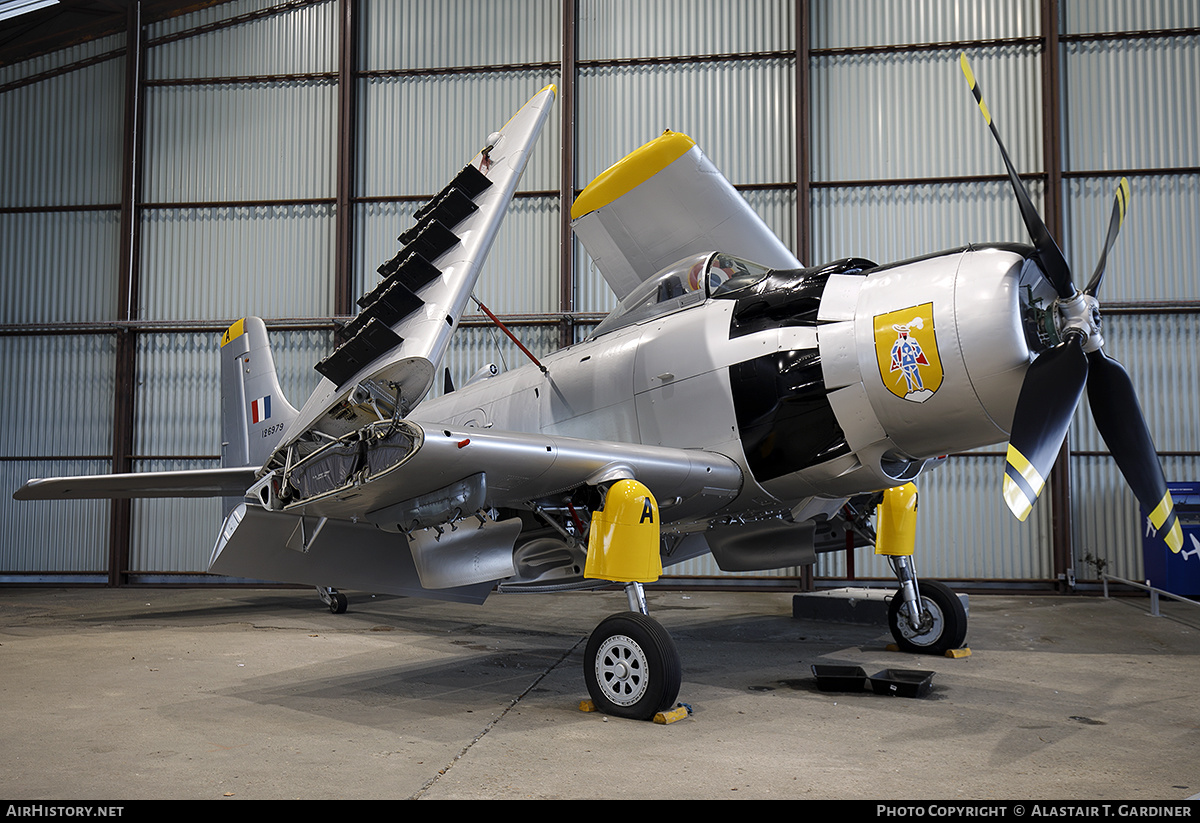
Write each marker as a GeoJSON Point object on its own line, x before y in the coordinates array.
{"type": "Point", "coordinates": [632, 667]}
{"type": "Point", "coordinates": [948, 620]}
{"type": "Point", "coordinates": [338, 603]}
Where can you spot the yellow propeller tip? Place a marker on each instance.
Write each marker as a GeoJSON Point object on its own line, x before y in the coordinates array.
{"type": "Point", "coordinates": [1174, 538]}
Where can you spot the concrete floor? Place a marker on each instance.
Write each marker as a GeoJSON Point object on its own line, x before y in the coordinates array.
{"type": "Point", "coordinates": [252, 694]}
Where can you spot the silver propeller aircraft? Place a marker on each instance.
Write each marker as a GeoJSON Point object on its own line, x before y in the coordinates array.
{"type": "Point", "coordinates": [735, 402]}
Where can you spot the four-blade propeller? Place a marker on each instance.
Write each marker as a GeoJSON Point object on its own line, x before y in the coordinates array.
{"type": "Point", "coordinates": [1056, 379]}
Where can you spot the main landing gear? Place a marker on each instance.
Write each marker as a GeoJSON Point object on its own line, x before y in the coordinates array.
{"type": "Point", "coordinates": [631, 665]}
{"type": "Point", "coordinates": [335, 600]}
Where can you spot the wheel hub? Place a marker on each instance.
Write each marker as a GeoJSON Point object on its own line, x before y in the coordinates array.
{"type": "Point", "coordinates": [930, 626]}
{"type": "Point", "coordinates": [622, 670]}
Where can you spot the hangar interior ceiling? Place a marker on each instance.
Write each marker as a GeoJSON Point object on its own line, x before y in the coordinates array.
{"type": "Point", "coordinates": [169, 167]}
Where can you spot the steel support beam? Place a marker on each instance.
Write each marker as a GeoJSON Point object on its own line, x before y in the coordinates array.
{"type": "Point", "coordinates": [343, 291]}
{"type": "Point", "coordinates": [124, 401]}
{"type": "Point", "coordinates": [1052, 154]}
{"type": "Point", "coordinates": [803, 132]}
{"type": "Point", "coordinates": [566, 102]}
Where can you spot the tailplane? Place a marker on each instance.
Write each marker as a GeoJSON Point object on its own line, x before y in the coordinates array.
{"type": "Point", "coordinates": [254, 412]}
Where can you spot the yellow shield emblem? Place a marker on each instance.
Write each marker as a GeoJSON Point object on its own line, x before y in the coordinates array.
{"type": "Point", "coordinates": [907, 353]}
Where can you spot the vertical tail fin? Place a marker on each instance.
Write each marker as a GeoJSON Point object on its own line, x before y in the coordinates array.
{"type": "Point", "coordinates": [254, 412]}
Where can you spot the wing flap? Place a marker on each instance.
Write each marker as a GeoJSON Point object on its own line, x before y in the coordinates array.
{"type": "Point", "coordinates": [263, 545]}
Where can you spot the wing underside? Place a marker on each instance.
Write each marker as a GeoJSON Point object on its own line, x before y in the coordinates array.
{"type": "Point", "coordinates": [392, 348]}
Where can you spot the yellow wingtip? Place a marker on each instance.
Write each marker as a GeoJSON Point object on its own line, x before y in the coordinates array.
{"type": "Point", "coordinates": [631, 171]}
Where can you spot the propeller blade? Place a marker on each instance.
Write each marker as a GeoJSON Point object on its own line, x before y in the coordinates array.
{"type": "Point", "coordinates": [1119, 418]}
{"type": "Point", "coordinates": [1051, 391]}
{"type": "Point", "coordinates": [1120, 204]}
{"type": "Point", "coordinates": [1051, 257]}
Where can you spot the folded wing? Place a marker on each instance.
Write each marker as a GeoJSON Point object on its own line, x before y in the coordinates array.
{"type": "Point", "coordinates": [396, 342]}
{"type": "Point", "coordinates": [661, 203]}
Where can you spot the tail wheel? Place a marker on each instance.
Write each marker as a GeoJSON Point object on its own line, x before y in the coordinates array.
{"type": "Point", "coordinates": [943, 620]}
{"type": "Point", "coordinates": [631, 667]}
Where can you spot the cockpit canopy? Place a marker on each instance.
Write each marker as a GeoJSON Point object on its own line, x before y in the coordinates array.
{"type": "Point", "coordinates": [684, 283]}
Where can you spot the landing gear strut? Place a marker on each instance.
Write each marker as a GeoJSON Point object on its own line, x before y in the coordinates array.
{"type": "Point", "coordinates": [631, 665]}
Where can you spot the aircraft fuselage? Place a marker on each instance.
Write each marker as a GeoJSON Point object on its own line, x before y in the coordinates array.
{"type": "Point", "coordinates": [808, 383]}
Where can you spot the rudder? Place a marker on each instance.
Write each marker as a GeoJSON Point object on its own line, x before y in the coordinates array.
{"type": "Point", "coordinates": [254, 412]}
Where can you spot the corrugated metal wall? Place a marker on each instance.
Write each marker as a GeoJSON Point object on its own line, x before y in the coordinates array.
{"type": "Point", "coordinates": [239, 208]}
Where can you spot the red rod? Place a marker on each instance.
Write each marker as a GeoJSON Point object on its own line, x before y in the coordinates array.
{"type": "Point", "coordinates": [511, 336]}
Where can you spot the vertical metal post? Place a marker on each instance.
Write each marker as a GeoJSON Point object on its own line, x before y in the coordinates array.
{"type": "Point", "coordinates": [346, 158]}
{"type": "Point", "coordinates": [1052, 153]}
{"type": "Point", "coordinates": [803, 132]}
{"type": "Point", "coordinates": [120, 524]}
{"type": "Point", "coordinates": [850, 571]}
{"type": "Point", "coordinates": [566, 249]}
{"type": "Point", "coordinates": [803, 251]}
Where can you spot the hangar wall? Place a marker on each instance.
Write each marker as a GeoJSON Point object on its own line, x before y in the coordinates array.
{"type": "Point", "coordinates": [260, 156]}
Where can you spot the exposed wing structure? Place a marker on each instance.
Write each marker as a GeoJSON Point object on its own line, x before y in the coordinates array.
{"type": "Point", "coordinates": [396, 342]}
{"type": "Point", "coordinates": [411, 477]}
{"type": "Point", "coordinates": [420, 510]}
{"type": "Point", "coordinates": [661, 203]}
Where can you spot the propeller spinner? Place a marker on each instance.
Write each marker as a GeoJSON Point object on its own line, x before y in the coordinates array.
{"type": "Point", "coordinates": [1056, 379]}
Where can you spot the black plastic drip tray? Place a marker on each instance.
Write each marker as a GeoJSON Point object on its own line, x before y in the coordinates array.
{"type": "Point", "coordinates": [840, 678]}
{"type": "Point", "coordinates": [895, 682]}
{"type": "Point", "coordinates": [902, 682]}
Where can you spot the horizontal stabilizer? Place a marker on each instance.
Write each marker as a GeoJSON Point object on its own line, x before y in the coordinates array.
{"type": "Point", "coordinates": [231, 482]}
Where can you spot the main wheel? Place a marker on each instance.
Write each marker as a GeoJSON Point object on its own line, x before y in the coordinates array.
{"type": "Point", "coordinates": [338, 603]}
{"type": "Point", "coordinates": [943, 620]}
{"type": "Point", "coordinates": [631, 666]}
